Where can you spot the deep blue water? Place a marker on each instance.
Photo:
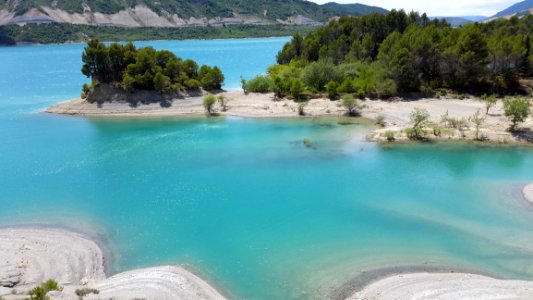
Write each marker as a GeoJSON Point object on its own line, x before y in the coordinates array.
{"type": "Point", "coordinates": [243, 201]}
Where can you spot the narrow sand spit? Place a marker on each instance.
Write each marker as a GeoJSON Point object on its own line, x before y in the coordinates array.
{"type": "Point", "coordinates": [249, 106]}
{"type": "Point", "coordinates": [444, 286]}
{"type": "Point", "coordinates": [30, 256]}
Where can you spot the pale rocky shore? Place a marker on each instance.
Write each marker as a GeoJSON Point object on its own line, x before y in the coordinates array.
{"type": "Point", "coordinates": [444, 286]}
{"type": "Point", "coordinates": [30, 256]}
{"type": "Point", "coordinates": [395, 113]}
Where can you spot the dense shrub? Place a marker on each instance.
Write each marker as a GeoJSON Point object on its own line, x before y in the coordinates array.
{"type": "Point", "coordinates": [259, 84]}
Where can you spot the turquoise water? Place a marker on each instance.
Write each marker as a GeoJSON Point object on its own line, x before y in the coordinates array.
{"type": "Point", "coordinates": [243, 201]}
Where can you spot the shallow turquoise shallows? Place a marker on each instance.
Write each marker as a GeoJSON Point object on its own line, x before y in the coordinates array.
{"type": "Point", "coordinates": [244, 202]}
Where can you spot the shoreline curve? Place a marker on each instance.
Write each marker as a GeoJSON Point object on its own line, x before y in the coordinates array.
{"type": "Point", "coordinates": [32, 255]}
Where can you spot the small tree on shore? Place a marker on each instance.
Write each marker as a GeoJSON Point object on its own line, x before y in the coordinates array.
{"type": "Point", "coordinates": [351, 104]}
{"type": "Point", "coordinates": [296, 90]}
{"type": "Point", "coordinates": [223, 102]}
{"type": "Point", "coordinates": [419, 119]}
{"type": "Point", "coordinates": [40, 292]}
{"type": "Point", "coordinates": [478, 121]}
{"type": "Point", "coordinates": [331, 88]}
{"type": "Point", "coordinates": [490, 101]}
{"type": "Point", "coordinates": [516, 109]}
{"type": "Point", "coordinates": [208, 102]}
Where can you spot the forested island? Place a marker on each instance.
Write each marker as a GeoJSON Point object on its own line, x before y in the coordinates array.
{"type": "Point", "coordinates": [120, 70]}
{"type": "Point", "coordinates": [401, 54]}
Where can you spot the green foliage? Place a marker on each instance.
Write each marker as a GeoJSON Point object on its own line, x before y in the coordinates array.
{"type": "Point", "coordinates": [490, 101]}
{"type": "Point", "coordinates": [63, 32]}
{"type": "Point", "coordinates": [40, 292]}
{"type": "Point", "coordinates": [331, 88]}
{"type": "Point", "coordinates": [318, 74]}
{"type": "Point", "coordinates": [516, 109]}
{"type": "Point", "coordinates": [223, 102]}
{"type": "Point", "coordinates": [419, 119]}
{"type": "Point", "coordinates": [161, 83]}
{"type": "Point", "coordinates": [296, 90]}
{"type": "Point", "coordinates": [384, 55]}
{"type": "Point", "coordinates": [85, 90]}
{"type": "Point", "coordinates": [380, 121]}
{"type": "Point", "coordinates": [390, 136]}
{"type": "Point", "coordinates": [259, 84]}
{"type": "Point", "coordinates": [86, 291]}
{"type": "Point", "coordinates": [477, 119]}
{"type": "Point", "coordinates": [208, 102]}
{"type": "Point", "coordinates": [351, 104]}
{"type": "Point", "coordinates": [243, 86]}
{"type": "Point", "coordinates": [145, 69]}
{"type": "Point", "coordinates": [211, 78]}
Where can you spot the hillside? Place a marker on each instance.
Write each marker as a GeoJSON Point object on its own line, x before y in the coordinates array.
{"type": "Point", "coordinates": [171, 13]}
{"type": "Point", "coordinates": [515, 9]}
{"type": "Point", "coordinates": [353, 9]}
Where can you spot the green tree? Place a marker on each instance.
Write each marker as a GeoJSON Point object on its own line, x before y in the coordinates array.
{"type": "Point", "coordinates": [211, 78]}
{"type": "Point", "coordinates": [351, 104]}
{"type": "Point", "coordinates": [209, 102]}
{"type": "Point", "coordinates": [490, 101]}
{"type": "Point", "coordinates": [477, 119]}
{"type": "Point", "coordinates": [331, 88]}
{"type": "Point", "coordinates": [223, 102]}
{"type": "Point", "coordinates": [419, 120]}
{"type": "Point", "coordinates": [296, 90]}
{"type": "Point", "coordinates": [40, 292]}
{"type": "Point", "coordinates": [161, 83]}
{"type": "Point", "coordinates": [516, 109]}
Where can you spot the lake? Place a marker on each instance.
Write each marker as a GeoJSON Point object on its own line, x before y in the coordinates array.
{"type": "Point", "coordinates": [244, 202]}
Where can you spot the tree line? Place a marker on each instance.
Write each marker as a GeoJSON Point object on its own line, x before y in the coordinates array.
{"type": "Point", "coordinates": [124, 66]}
{"type": "Point", "coordinates": [401, 53]}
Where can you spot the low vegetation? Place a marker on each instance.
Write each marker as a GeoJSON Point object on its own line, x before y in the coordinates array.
{"type": "Point", "coordinates": [40, 292]}
{"type": "Point", "coordinates": [517, 110]}
{"type": "Point", "coordinates": [62, 33]}
{"type": "Point", "coordinates": [86, 291]}
{"type": "Point", "coordinates": [126, 67]}
{"type": "Point", "coordinates": [209, 102]}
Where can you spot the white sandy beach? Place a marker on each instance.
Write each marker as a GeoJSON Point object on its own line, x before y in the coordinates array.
{"type": "Point", "coordinates": [444, 286]}
{"type": "Point", "coordinates": [30, 256]}
{"type": "Point", "coordinates": [395, 112]}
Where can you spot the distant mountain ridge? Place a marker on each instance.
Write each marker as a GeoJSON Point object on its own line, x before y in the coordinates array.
{"type": "Point", "coordinates": [515, 9]}
{"type": "Point", "coordinates": [175, 13]}
{"type": "Point", "coordinates": [354, 9]}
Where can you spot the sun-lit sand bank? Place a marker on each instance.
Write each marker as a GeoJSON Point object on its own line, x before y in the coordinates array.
{"type": "Point", "coordinates": [30, 256]}
{"type": "Point", "coordinates": [444, 286]}
{"type": "Point", "coordinates": [395, 113]}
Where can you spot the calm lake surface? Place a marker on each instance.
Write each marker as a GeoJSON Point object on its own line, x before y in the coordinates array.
{"type": "Point", "coordinates": [243, 202]}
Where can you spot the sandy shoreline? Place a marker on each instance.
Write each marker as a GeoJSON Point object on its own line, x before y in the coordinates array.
{"type": "Point", "coordinates": [395, 114]}
{"type": "Point", "coordinates": [444, 286]}
{"type": "Point", "coordinates": [30, 256]}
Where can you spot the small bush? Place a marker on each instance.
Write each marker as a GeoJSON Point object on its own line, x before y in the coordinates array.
{"type": "Point", "coordinates": [86, 291]}
{"type": "Point", "coordinates": [296, 90]}
{"type": "Point", "coordinates": [419, 119]}
{"type": "Point", "coordinates": [301, 108]}
{"type": "Point", "coordinates": [208, 102]}
{"type": "Point", "coordinates": [386, 89]}
{"type": "Point", "coordinates": [223, 102]}
{"type": "Point", "coordinates": [390, 136]}
{"type": "Point", "coordinates": [39, 293]}
{"type": "Point", "coordinates": [260, 84]}
{"type": "Point", "coordinates": [380, 121]}
{"type": "Point", "coordinates": [331, 88]}
{"type": "Point", "coordinates": [517, 110]}
{"type": "Point", "coordinates": [351, 104]}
